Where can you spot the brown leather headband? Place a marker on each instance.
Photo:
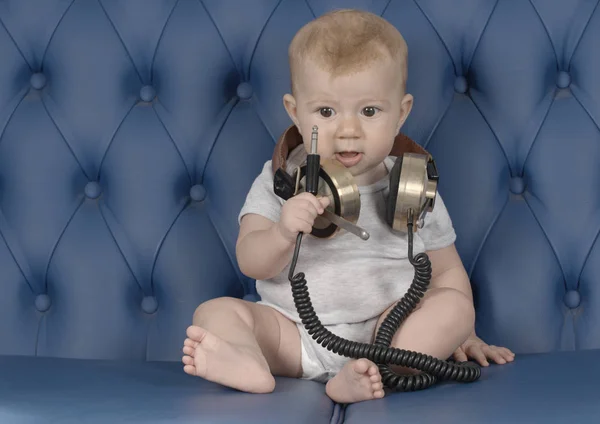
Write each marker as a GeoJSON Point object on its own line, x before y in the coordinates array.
{"type": "Point", "coordinates": [291, 138]}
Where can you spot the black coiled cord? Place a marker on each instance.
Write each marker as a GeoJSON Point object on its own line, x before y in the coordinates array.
{"type": "Point", "coordinates": [380, 352]}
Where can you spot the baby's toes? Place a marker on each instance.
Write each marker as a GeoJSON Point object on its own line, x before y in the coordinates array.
{"type": "Point", "coordinates": [361, 366]}
{"type": "Point", "coordinates": [379, 393]}
{"type": "Point", "coordinates": [375, 378]}
{"type": "Point", "coordinates": [188, 350]}
{"type": "Point", "coordinates": [191, 343]}
{"type": "Point", "coordinates": [377, 386]}
{"type": "Point", "coordinates": [188, 367]}
{"type": "Point", "coordinates": [373, 370]}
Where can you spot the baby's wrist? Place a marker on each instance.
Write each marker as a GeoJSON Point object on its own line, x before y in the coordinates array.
{"type": "Point", "coordinates": [281, 236]}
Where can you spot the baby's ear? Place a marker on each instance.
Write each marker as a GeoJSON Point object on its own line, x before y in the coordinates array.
{"type": "Point", "coordinates": [405, 108]}
{"type": "Point", "coordinates": [289, 102]}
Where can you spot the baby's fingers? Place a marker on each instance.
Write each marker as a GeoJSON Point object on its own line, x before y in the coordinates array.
{"type": "Point", "coordinates": [492, 352]}
{"type": "Point", "coordinates": [506, 354]}
{"type": "Point", "coordinates": [312, 202]}
{"type": "Point", "coordinates": [460, 355]}
{"type": "Point", "coordinates": [476, 353]}
{"type": "Point", "coordinates": [324, 202]}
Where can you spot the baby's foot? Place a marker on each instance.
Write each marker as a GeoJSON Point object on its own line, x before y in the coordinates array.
{"type": "Point", "coordinates": [359, 380]}
{"type": "Point", "coordinates": [216, 360]}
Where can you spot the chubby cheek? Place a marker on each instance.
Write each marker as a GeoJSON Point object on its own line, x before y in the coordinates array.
{"type": "Point", "coordinates": [380, 142]}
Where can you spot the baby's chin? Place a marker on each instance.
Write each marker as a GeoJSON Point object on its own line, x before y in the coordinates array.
{"type": "Point", "coordinates": [368, 173]}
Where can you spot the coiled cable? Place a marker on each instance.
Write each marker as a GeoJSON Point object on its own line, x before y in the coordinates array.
{"type": "Point", "coordinates": [380, 352]}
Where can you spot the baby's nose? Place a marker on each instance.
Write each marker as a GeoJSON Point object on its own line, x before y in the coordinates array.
{"type": "Point", "coordinates": [349, 128]}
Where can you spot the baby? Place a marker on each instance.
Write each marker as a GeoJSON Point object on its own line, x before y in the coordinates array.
{"type": "Point", "coordinates": [348, 74]}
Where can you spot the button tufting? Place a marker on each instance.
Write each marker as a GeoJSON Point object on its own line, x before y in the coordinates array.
{"type": "Point", "coordinates": [42, 302]}
{"type": "Point", "coordinates": [147, 93]}
{"type": "Point", "coordinates": [38, 81]}
{"type": "Point", "coordinates": [244, 91]}
{"type": "Point", "coordinates": [460, 85]}
{"type": "Point", "coordinates": [563, 79]}
{"type": "Point", "coordinates": [572, 299]}
{"type": "Point", "coordinates": [149, 304]}
{"type": "Point", "coordinates": [517, 185]}
{"type": "Point", "coordinates": [93, 190]}
{"type": "Point", "coordinates": [198, 193]}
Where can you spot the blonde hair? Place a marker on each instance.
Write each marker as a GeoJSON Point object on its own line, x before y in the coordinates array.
{"type": "Point", "coordinates": [347, 40]}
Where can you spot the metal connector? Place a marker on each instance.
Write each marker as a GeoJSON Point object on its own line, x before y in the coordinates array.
{"type": "Point", "coordinates": [314, 140]}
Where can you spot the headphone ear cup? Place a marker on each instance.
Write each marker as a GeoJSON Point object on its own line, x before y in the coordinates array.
{"type": "Point", "coordinates": [393, 196]}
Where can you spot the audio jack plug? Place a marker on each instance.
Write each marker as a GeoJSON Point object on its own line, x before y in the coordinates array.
{"type": "Point", "coordinates": [313, 164]}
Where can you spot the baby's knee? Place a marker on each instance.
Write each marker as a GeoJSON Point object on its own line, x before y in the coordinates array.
{"type": "Point", "coordinates": [217, 306]}
{"type": "Point", "coordinates": [455, 309]}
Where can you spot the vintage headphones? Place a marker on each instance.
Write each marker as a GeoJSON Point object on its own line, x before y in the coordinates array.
{"type": "Point", "coordinates": [413, 186]}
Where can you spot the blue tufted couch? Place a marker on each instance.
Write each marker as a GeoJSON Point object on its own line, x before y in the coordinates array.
{"type": "Point", "coordinates": [130, 132]}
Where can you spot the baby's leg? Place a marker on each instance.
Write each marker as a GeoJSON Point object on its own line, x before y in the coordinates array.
{"type": "Point", "coordinates": [438, 326]}
{"type": "Point", "coordinates": [241, 344]}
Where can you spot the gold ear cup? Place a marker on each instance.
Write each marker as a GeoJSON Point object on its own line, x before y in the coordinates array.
{"type": "Point", "coordinates": [336, 183]}
{"type": "Point", "coordinates": [415, 192]}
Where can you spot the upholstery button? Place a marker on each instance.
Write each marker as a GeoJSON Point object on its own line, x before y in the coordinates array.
{"type": "Point", "coordinates": [38, 81]}
{"type": "Point", "coordinates": [149, 304]}
{"type": "Point", "coordinates": [244, 91]}
{"type": "Point", "coordinates": [572, 299]}
{"type": "Point", "coordinates": [147, 93]}
{"type": "Point", "coordinates": [460, 85]}
{"type": "Point", "coordinates": [563, 79]}
{"type": "Point", "coordinates": [198, 193]}
{"type": "Point", "coordinates": [42, 302]}
{"type": "Point", "coordinates": [92, 190]}
{"type": "Point", "coordinates": [517, 185]}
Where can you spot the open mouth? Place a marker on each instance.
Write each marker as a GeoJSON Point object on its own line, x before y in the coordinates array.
{"type": "Point", "coordinates": [348, 159]}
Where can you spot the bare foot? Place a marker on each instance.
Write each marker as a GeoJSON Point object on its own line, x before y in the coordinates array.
{"type": "Point", "coordinates": [359, 380]}
{"type": "Point", "coordinates": [214, 359]}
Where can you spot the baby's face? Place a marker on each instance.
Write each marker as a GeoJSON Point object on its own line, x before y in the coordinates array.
{"type": "Point", "coordinates": [358, 115]}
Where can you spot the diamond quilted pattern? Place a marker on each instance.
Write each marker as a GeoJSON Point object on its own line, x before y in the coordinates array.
{"type": "Point", "coordinates": [131, 131]}
{"type": "Point", "coordinates": [141, 40]}
{"type": "Point", "coordinates": [490, 171]}
{"type": "Point", "coordinates": [94, 66]}
{"type": "Point", "coordinates": [30, 24]}
{"type": "Point", "coordinates": [584, 65]}
{"type": "Point", "coordinates": [435, 92]}
{"type": "Point", "coordinates": [523, 63]}
{"type": "Point", "coordinates": [317, 7]}
{"type": "Point", "coordinates": [29, 202]}
{"type": "Point", "coordinates": [196, 76]}
{"type": "Point", "coordinates": [14, 76]}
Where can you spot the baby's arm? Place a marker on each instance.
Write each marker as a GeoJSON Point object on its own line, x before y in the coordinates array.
{"type": "Point", "coordinates": [264, 247]}
{"type": "Point", "coordinates": [261, 250]}
{"type": "Point", "coordinates": [448, 272]}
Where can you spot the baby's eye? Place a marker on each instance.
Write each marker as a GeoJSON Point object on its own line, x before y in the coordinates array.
{"type": "Point", "coordinates": [370, 111]}
{"type": "Point", "coordinates": [326, 112]}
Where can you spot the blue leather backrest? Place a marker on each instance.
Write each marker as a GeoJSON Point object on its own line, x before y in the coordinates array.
{"type": "Point", "coordinates": [132, 130]}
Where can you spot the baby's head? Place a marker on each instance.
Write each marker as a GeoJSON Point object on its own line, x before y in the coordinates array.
{"type": "Point", "coordinates": [348, 72]}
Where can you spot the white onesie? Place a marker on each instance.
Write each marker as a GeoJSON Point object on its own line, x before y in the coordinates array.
{"type": "Point", "coordinates": [351, 282]}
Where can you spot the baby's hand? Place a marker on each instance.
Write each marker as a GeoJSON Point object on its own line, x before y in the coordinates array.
{"type": "Point", "coordinates": [298, 215]}
{"type": "Point", "coordinates": [479, 350]}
